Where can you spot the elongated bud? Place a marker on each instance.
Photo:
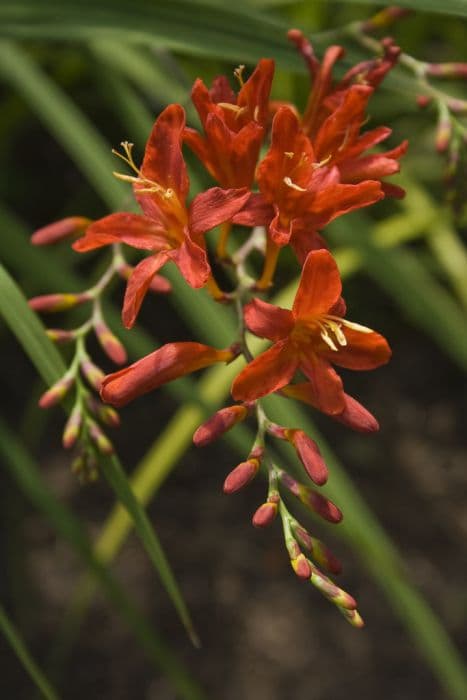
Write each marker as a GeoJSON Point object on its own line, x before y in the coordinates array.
{"type": "Point", "coordinates": [357, 417]}
{"type": "Point", "coordinates": [57, 392]}
{"type": "Point", "coordinates": [301, 566]}
{"type": "Point", "coordinates": [241, 475]}
{"type": "Point", "coordinates": [85, 468]}
{"type": "Point", "coordinates": [71, 226]}
{"type": "Point", "coordinates": [92, 373]}
{"type": "Point", "coordinates": [318, 550]}
{"type": "Point", "coordinates": [108, 415]}
{"type": "Point", "coordinates": [443, 133]}
{"type": "Point", "coordinates": [219, 423]}
{"type": "Point", "coordinates": [332, 592]}
{"type": "Point", "coordinates": [72, 427]}
{"type": "Point", "coordinates": [423, 100]}
{"type": "Point", "coordinates": [305, 48]}
{"type": "Point", "coordinates": [353, 616]}
{"type": "Point", "coordinates": [319, 504]}
{"type": "Point", "coordinates": [57, 302]}
{"type": "Point", "coordinates": [447, 70]}
{"type": "Point", "coordinates": [110, 343]}
{"type": "Point", "coordinates": [158, 284]}
{"type": "Point", "coordinates": [59, 336]}
{"type": "Point", "coordinates": [384, 18]}
{"type": "Point", "coordinates": [265, 514]}
{"type": "Point", "coordinates": [308, 452]}
{"type": "Point", "coordinates": [98, 437]}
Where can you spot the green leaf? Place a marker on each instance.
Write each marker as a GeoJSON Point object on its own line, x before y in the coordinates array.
{"type": "Point", "coordinates": [446, 7]}
{"type": "Point", "coordinates": [17, 644]}
{"type": "Point", "coordinates": [30, 333]}
{"type": "Point", "coordinates": [29, 479]}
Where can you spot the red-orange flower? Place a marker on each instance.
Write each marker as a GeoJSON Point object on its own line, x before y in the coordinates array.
{"type": "Point", "coordinates": [309, 338]}
{"type": "Point", "coordinates": [168, 228]}
{"type": "Point", "coordinates": [234, 125]}
{"type": "Point", "coordinates": [159, 367]}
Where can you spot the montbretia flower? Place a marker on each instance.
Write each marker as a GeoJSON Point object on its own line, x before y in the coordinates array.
{"type": "Point", "coordinates": [169, 362]}
{"type": "Point", "coordinates": [168, 228]}
{"type": "Point", "coordinates": [234, 125]}
{"type": "Point", "coordinates": [310, 337]}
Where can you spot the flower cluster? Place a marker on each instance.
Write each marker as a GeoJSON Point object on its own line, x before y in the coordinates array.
{"type": "Point", "coordinates": [284, 175]}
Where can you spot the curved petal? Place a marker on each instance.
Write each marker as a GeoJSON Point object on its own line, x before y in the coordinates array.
{"type": "Point", "coordinates": [339, 199]}
{"type": "Point", "coordinates": [138, 284]}
{"type": "Point", "coordinates": [163, 159]}
{"type": "Point", "coordinates": [363, 350]}
{"type": "Point", "coordinates": [256, 212]}
{"type": "Point", "coordinates": [343, 125]}
{"type": "Point", "coordinates": [268, 321]}
{"type": "Point", "coordinates": [192, 262]}
{"type": "Point", "coordinates": [213, 207]}
{"type": "Point", "coordinates": [161, 366]}
{"type": "Point", "coordinates": [304, 239]}
{"type": "Point", "coordinates": [326, 383]}
{"type": "Point", "coordinates": [132, 229]}
{"type": "Point", "coordinates": [268, 372]}
{"type": "Point", "coordinates": [254, 94]}
{"type": "Point", "coordinates": [320, 285]}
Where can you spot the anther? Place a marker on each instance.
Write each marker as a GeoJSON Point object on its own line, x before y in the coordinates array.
{"type": "Point", "coordinates": [288, 181]}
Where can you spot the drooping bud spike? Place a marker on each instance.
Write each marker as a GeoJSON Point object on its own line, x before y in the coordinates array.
{"type": "Point", "coordinates": [58, 335]}
{"type": "Point", "coordinates": [72, 427]}
{"type": "Point", "coordinates": [93, 374]}
{"type": "Point", "coordinates": [98, 437]}
{"type": "Point", "coordinates": [332, 592]}
{"type": "Point", "coordinates": [110, 343]}
{"type": "Point", "coordinates": [265, 514]}
{"type": "Point", "coordinates": [219, 423]}
{"type": "Point", "coordinates": [57, 302]}
{"type": "Point", "coordinates": [71, 226]}
{"type": "Point", "coordinates": [308, 452]}
{"type": "Point", "coordinates": [241, 475]}
{"type": "Point", "coordinates": [56, 392]}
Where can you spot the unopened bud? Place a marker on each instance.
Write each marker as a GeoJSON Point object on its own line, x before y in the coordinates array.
{"type": "Point", "coordinates": [423, 101]}
{"type": "Point", "coordinates": [71, 226]}
{"type": "Point", "coordinates": [72, 427]}
{"type": "Point", "coordinates": [384, 18]}
{"type": "Point", "coordinates": [325, 558]}
{"type": "Point", "coordinates": [357, 417]}
{"type": "Point", "coordinates": [92, 373]}
{"type": "Point", "coordinates": [332, 592]}
{"type": "Point", "coordinates": [308, 452]}
{"type": "Point", "coordinates": [447, 70]}
{"type": "Point", "coordinates": [110, 343]}
{"type": "Point", "coordinates": [98, 437]}
{"type": "Point", "coordinates": [265, 514]}
{"type": "Point", "coordinates": [219, 423]}
{"type": "Point", "coordinates": [317, 503]}
{"type": "Point", "coordinates": [106, 414]}
{"type": "Point", "coordinates": [443, 134]}
{"type": "Point", "coordinates": [58, 335]}
{"type": "Point", "coordinates": [57, 302]}
{"type": "Point", "coordinates": [241, 475]}
{"type": "Point", "coordinates": [301, 566]}
{"type": "Point", "coordinates": [353, 616]}
{"type": "Point", "coordinates": [85, 468]}
{"type": "Point", "coordinates": [56, 392]}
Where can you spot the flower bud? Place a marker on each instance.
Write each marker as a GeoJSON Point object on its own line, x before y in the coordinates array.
{"type": "Point", "coordinates": [57, 302]}
{"type": "Point", "coordinates": [110, 343]}
{"type": "Point", "coordinates": [72, 427]}
{"type": "Point", "coordinates": [317, 503]}
{"type": "Point", "coordinates": [241, 475]}
{"type": "Point", "coordinates": [98, 437]}
{"type": "Point", "coordinates": [219, 423]}
{"type": "Point", "coordinates": [308, 452]}
{"type": "Point", "coordinates": [57, 392]}
{"type": "Point", "coordinates": [58, 335]}
{"type": "Point", "coordinates": [332, 592]}
{"type": "Point", "coordinates": [71, 226]}
{"type": "Point", "coordinates": [85, 468]}
{"type": "Point", "coordinates": [92, 373]}
{"type": "Point", "coordinates": [443, 134]}
{"type": "Point", "coordinates": [353, 617]}
{"type": "Point", "coordinates": [265, 514]}
{"type": "Point", "coordinates": [301, 566]}
{"type": "Point", "coordinates": [384, 18]}
{"type": "Point", "coordinates": [447, 70]}
{"type": "Point", "coordinates": [357, 417]}
{"type": "Point", "coordinates": [423, 100]}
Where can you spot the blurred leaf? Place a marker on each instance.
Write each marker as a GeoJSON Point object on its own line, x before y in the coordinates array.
{"type": "Point", "coordinates": [28, 477]}
{"type": "Point", "coordinates": [446, 7]}
{"type": "Point", "coordinates": [21, 651]}
{"type": "Point", "coordinates": [41, 351]}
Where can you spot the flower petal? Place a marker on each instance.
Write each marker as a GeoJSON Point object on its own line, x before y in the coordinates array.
{"type": "Point", "coordinates": [161, 366]}
{"type": "Point", "coordinates": [256, 212]}
{"type": "Point", "coordinates": [320, 285]}
{"type": "Point", "coordinates": [254, 94]}
{"type": "Point", "coordinates": [363, 350]}
{"type": "Point", "coordinates": [192, 261]}
{"type": "Point", "coordinates": [268, 321]}
{"type": "Point", "coordinates": [138, 284]}
{"type": "Point", "coordinates": [163, 161]}
{"type": "Point", "coordinates": [132, 229]}
{"type": "Point", "coordinates": [326, 383]}
{"type": "Point", "coordinates": [268, 372]}
{"type": "Point", "coordinates": [213, 207]}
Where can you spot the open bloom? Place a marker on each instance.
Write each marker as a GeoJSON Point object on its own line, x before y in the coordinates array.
{"type": "Point", "coordinates": [309, 338]}
{"type": "Point", "coordinates": [167, 228]}
{"type": "Point", "coordinates": [234, 125]}
{"type": "Point", "coordinates": [169, 362]}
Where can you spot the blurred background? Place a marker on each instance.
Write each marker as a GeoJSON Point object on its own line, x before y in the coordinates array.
{"type": "Point", "coordinates": [78, 80]}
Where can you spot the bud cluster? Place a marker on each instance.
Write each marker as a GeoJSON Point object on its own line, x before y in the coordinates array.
{"type": "Point", "coordinates": [283, 175]}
